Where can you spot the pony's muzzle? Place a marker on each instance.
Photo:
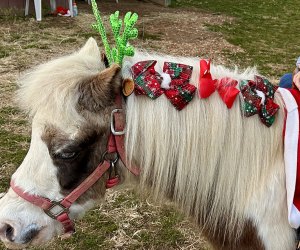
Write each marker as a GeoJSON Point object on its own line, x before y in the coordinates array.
{"type": "Point", "coordinates": [29, 233]}
{"type": "Point", "coordinates": [10, 234]}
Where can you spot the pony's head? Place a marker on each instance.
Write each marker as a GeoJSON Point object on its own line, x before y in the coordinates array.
{"type": "Point", "coordinates": [69, 101]}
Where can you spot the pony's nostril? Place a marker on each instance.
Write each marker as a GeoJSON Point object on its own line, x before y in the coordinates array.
{"type": "Point", "coordinates": [9, 233]}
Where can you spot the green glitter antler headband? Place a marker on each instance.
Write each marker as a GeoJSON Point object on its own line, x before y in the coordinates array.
{"type": "Point", "coordinates": [116, 54]}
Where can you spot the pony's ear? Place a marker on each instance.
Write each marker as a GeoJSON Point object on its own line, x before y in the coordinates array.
{"type": "Point", "coordinates": [99, 91]}
{"type": "Point", "coordinates": [90, 48]}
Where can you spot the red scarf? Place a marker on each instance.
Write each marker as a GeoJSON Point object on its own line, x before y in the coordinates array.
{"type": "Point", "coordinates": [291, 98]}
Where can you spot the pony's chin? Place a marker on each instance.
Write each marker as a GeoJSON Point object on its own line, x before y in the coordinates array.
{"type": "Point", "coordinates": [46, 235]}
{"type": "Point", "coordinates": [42, 238]}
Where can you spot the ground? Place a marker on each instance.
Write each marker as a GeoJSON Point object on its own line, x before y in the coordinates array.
{"type": "Point", "coordinates": [125, 221]}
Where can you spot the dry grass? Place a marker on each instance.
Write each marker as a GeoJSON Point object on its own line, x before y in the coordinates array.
{"type": "Point", "coordinates": [127, 221]}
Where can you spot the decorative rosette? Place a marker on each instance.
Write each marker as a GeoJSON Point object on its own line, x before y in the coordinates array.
{"type": "Point", "coordinates": [259, 99]}
{"type": "Point", "coordinates": [174, 82]}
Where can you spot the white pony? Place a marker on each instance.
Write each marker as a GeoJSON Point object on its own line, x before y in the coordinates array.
{"type": "Point", "coordinates": [223, 170]}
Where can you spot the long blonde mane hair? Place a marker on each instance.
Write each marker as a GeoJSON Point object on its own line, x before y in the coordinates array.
{"type": "Point", "coordinates": [208, 159]}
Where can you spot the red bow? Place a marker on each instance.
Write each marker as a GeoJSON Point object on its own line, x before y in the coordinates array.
{"type": "Point", "coordinates": [148, 82]}
{"type": "Point", "coordinates": [253, 102]}
{"type": "Point", "coordinates": [226, 86]}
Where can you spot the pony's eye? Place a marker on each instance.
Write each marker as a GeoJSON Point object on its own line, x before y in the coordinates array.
{"type": "Point", "coordinates": [66, 155]}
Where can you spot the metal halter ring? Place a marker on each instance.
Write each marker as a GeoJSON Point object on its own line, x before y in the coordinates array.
{"type": "Point", "coordinates": [105, 158]}
{"type": "Point", "coordinates": [54, 204]}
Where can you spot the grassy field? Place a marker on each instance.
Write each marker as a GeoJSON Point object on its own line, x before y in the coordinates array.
{"type": "Point", "coordinates": [266, 30]}
{"type": "Point", "coordinates": [258, 33]}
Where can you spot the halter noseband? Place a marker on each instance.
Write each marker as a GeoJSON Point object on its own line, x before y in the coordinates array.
{"type": "Point", "coordinates": [59, 210]}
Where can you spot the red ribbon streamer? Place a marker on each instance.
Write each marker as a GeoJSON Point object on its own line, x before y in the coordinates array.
{"type": "Point", "coordinates": [226, 86]}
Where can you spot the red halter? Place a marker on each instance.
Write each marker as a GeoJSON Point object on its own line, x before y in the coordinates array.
{"type": "Point", "coordinates": [59, 210]}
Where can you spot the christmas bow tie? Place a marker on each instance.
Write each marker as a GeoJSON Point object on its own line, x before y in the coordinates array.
{"type": "Point", "coordinates": [174, 82]}
{"type": "Point", "coordinates": [226, 86]}
{"type": "Point", "coordinates": [258, 99]}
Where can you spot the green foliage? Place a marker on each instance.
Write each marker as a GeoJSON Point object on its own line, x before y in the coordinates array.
{"type": "Point", "coordinates": [117, 53]}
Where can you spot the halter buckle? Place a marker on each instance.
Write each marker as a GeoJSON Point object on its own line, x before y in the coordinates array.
{"type": "Point", "coordinates": [112, 123]}
{"type": "Point", "coordinates": [58, 209]}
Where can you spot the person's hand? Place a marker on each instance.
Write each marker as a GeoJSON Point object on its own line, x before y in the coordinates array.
{"type": "Point", "coordinates": [296, 80]}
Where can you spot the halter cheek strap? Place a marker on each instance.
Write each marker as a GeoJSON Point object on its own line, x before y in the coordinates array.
{"type": "Point", "coordinates": [59, 210]}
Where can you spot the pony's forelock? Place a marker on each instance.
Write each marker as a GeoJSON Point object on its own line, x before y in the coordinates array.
{"type": "Point", "coordinates": [52, 86]}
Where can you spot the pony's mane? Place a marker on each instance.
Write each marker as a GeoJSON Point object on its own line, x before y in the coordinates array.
{"type": "Point", "coordinates": [217, 71]}
{"type": "Point", "coordinates": [207, 158]}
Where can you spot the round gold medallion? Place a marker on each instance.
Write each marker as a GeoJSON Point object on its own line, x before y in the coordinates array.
{"type": "Point", "coordinates": [128, 87]}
